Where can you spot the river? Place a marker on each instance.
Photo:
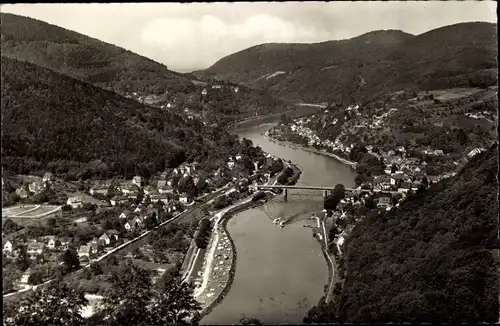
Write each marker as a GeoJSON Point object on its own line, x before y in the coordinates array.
{"type": "Point", "coordinates": [280, 273]}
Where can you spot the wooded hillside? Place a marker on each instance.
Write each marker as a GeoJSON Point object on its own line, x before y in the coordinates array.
{"type": "Point", "coordinates": [54, 122]}
{"type": "Point", "coordinates": [434, 260]}
{"type": "Point", "coordinates": [378, 62]}
{"type": "Point", "coordinates": [85, 58]}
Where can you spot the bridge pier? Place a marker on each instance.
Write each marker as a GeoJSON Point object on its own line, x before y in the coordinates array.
{"type": "Point", "coordinates": [285, 193]}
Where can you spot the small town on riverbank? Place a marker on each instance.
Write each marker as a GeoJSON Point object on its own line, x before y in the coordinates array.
{"type": "Point", "coordinates": [44, 241]}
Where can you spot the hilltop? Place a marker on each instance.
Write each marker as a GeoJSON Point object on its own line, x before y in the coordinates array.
{"type": "Point", "coordinates": [367, 65]}
{"type": "Point", "coordinates": [122, 71]}
{"type": "Point", "coordinates": [75, 129]}
{"type": "Point", "coordinates": [85, 58]}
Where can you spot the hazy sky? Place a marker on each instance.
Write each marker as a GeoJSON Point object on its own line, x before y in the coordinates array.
{"type": "Point", "coordinates": [196, 35]}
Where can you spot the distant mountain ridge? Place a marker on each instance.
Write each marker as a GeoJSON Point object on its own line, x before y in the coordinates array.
{"type": "Point", "coordinates": [386, 60]}
{"type": "Point", "coordinates": [85, 58]}
{"type": "Point", "coordinates": [121, 71]}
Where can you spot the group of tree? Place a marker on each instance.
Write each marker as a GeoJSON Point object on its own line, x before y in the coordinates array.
{"type": "Point", "coordinates": [203, 234]}
{"type": "Point", "coordinates": [332, 200]}
{"type": "Point", "coordinates": [132, 299]}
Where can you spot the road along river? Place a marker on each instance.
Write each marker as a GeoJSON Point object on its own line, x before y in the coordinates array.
{"type": "Point", "coordinates": [280, 272]}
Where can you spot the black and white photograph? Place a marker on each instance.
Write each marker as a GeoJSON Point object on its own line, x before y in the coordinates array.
{"type": "Point", "coordinates": [249, 163]}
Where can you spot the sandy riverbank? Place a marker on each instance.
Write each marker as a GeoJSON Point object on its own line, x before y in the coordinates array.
{"type": "Point", "coordinates": [224, 220]}
{"type": "Point", "coordinates": [312, 150]}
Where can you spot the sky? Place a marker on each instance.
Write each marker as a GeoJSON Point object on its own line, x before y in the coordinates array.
{"type": "Point", "coordinates": [191, 36]}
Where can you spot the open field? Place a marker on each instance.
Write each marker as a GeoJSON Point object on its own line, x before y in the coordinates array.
{"type": "Point", "coordinates": [40, 211]}
{"type": "Point", "coordinates": [17, 210]}
{"type": "Point", "coordinates": [29, 211]}
{"type": "Point", "coordinates": [452, 93]}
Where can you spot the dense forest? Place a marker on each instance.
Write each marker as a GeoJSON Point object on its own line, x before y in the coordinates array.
{"type": "Point", "coordinates": [53, 122]}
{"type": "Point", "coordinates": [87, 59]}
{"type": "Point", "coordinates": [368, 65]}
{"type": "Point", "coordinates": [433, 260]}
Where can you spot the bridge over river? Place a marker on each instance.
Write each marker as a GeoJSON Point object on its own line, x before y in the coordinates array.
{"type": "Point", "coordinates": [321, 188]}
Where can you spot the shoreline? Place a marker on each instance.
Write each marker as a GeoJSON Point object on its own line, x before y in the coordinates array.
{"type": "Point", "coordinates": [225, 219]}
{"type": "Point", "coordinates": [319, 152]}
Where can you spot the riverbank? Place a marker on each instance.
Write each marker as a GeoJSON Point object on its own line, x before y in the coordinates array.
{"type": "Point", "coordinates": [312, 150]}
{"type": "Point", "coordinates": [225, 219]}
{"type": "Point", "coordinates": [302, 109]}
{"type": "Point", "coordinates": [220, 220]}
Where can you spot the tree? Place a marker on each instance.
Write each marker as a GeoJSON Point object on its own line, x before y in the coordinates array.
{"type": "Point", "coordinates": [70, 259]}
{"type": "Point", "coordinates": [174, 305]}
{"type": "Point", "coordinates": [51, 222]}
{"type": "Point", "coordinates": [250, 321]}
{"type": "Point", "coordinates": [332, 200]}
{"type": "Point", "coordinates": [186, 185]}
{"type": "Point", "coordinates": [127, 301]}
{"type": "Point", "coordinates": [55, 304]}
{"type": "Point", "coordinates": [10, 226]}
{"type": "Point", "coordinates": [134, 301]}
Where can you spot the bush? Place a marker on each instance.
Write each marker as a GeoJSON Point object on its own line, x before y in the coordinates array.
{"type": "Point", "coordinates": [258, 196]}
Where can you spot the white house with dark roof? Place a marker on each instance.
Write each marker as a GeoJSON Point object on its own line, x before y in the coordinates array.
{"type": "Point", "coordinates": [8, 246]}
{"type": "Point", "coordinates": [75, 201]}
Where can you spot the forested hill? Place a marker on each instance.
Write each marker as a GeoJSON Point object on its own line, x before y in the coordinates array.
{"type": "Point", "coordinates": [434, 260]}
{"type": "Point", "coordinates": [87, 59]}
{"type": "Point", "coordinates": [54, 122]}
{"type": "Point", "coordinates": [365, 66]}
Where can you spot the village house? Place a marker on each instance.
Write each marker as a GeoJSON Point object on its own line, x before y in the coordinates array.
{"type": "Point", "coordinates": [63, 243]}
{"type": "Point", "coordinates": [137, 180]}
{"type": "Point", "coordinates": [34, 249]}
{"type": "Point", "coordinates": [48, 177]}
{"type": "Point", "coordinates": [150, 190]}
{"type": "Point", "coordinates": [129, 226]}
{"type": "Point", "coordinates": [95, 248]}
{"type": "Point", "coordinates": [113, 234]}
{"type": "Point", "coordinates": [184, 198]}
{"type": "Point", "coordinates": [100, 188]}
{"type": "Point", "coordinates": [163, 198]}
{"type": "Point", "coordinates": [384, 201]}
{"type": "Point", "coordinates": [405, 186]}
{"type": "Point", "coordinates": [204, 92]}
{"type": "Point", "coordinates": [138, 221]}
{"type": "Point", "coordinates": [230, 164]}
{"type": "Point", "coordinates": [129, 188]}
{"type": "Point", "coordinates": [238, 157]}
{"type": "Point", "coordinates": [36, 187]}
{"type": "Point", "coordinates": [164, 175]}
{"type": "Point", "coordinates": [396, 179]}
{"type": "Point", "coordinates": [23, 281]}
{"type": "Point", "coordinates": [118, 200]}
{"type": "Point", "coordinates": [122, 216]}
{"type": "Point", "coordinates": [75, 201]}
{"type": "Point", "coordinates": [105, 238]}
{"type": "Point", "coordinates": [164, 187]}
{"type": "Point", "coordinates": [22, 192]}
{"type": "Point", "coordinates": [415, 184]}
{"type": "Point", "coordinates": [8, 246]}
{"type": "Point", "coordinates": [51, 242]}
{"type": "Point", "coordinates": [84, 252]}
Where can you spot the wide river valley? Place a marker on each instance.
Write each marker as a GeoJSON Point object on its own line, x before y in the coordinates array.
{"type": "Point", "coordinates": [280, 273]}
